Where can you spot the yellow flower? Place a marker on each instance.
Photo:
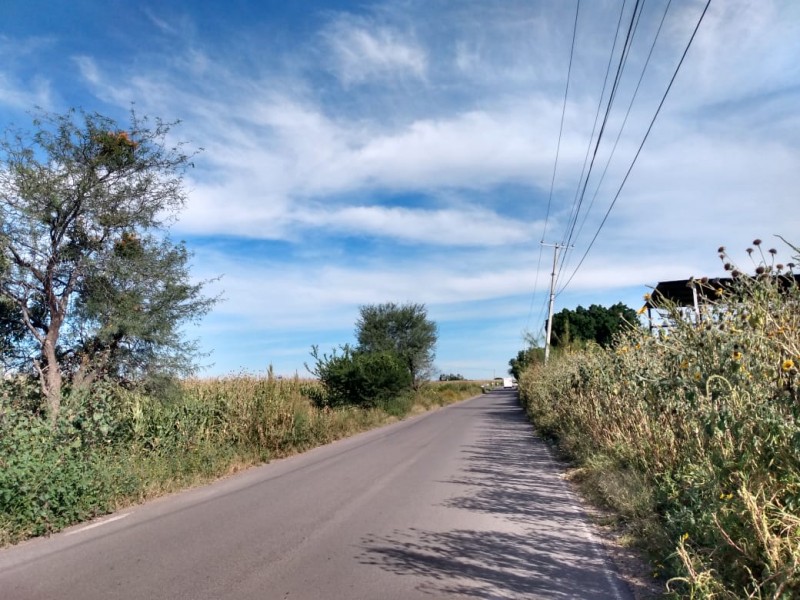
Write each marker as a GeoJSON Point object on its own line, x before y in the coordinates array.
{"type": "Point", "coordinates": [737, 355]}
{"type": "Point", "coordinates": [697, 376]}
{"type": "Point", "coordinates": [647, 297]}
{"type": "Point", "coordinates": [788, 364]}
{"type": "Point", "coordinates": [684, 364]}
{"type": "Point", "coordinates": [684, 537]}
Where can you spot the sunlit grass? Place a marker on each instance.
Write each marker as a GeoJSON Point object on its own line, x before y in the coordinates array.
{"type": "Point", "coordinates": [692, 436]}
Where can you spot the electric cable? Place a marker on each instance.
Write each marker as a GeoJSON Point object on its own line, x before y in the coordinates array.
{"type": "Point", "coordinates": [617, 78]}
{"type": "Point", "coordinates": [599, 105]}
{"type": "Point", "coordinates": [555, 165]}
{"type": "Point", "coordinates": [625, 120]}
{"type": "Point", "coordinates": [641, 145]}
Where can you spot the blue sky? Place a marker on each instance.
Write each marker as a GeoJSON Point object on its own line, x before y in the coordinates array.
{"type": "Point", "coordinates": [403, 151]}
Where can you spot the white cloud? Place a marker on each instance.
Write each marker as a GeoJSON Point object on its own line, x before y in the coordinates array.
{"type": "Point", "coordinates": [363, 51]}
{"type": "Point", "coordinates": [20, 87]}
{"type": "Point", "coordinates": [466, 226]}
{"type": "Point", "coordinates": [161, 24]}
{"type": "Point", "coordinates": [409, 126]}
{"type": "Point", "coordinates": [25, 95]}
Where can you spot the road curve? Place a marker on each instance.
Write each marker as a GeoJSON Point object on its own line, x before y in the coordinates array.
{"type": "Point", "coordinates": [462, 502]}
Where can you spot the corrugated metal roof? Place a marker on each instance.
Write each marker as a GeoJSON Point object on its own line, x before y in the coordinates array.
{"type": "Point", "coordinates": [680, 291]}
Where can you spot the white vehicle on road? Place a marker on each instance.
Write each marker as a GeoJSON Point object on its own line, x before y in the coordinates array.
{"type": "Point", "coordinates": [509, 383]}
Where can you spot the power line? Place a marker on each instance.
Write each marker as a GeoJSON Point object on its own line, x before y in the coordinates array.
{"type": "Point", "coordinates": [599, 106]}
{"type": "Point", "coordinates": [625, 120]}
{"type": "Point", "coordinates": [644, 139]}
{"type": "Point", "coordinates": [612, 96]}
{"type": "Point", "coordinates": [555, 165]}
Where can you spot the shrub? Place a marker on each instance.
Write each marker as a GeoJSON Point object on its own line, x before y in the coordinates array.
{"type": "Point", "coordinates": [365, 379]}
{"type": "Point", "coordinates": [53, 474]}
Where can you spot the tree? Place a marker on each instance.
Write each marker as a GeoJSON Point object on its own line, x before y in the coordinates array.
{"type": "Point", "coordinates": [525, 358]}
{"type": "Point", "coordinates": [130, 308]}
{"type": "Point", "coordinates": [451, 377]}
{"type": "Point", "coordinates": [84, 209]}
{"type": "Point", "coordinates": [404, 330]}
{"type": "Point", "coordinates": [598, 324]}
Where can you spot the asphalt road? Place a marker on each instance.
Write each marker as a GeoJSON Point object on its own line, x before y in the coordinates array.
{"type": "Point", "coordinates": [462, 502]}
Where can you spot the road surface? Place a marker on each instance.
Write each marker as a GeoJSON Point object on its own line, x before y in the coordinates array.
{"type": "Point", "coordinates": [462, 502]}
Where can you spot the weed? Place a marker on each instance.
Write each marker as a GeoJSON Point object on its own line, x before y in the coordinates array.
{"type": "Point", "coordinates": [692, 435]}
{"type": "Point", "coordinates": [112, 447]}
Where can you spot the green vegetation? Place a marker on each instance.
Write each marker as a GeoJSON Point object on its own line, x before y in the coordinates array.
{"type": "Point", "coordinates": [596, 324]}
{"type": "Point", "coordinates": [394, 356]}
{"type": "Point", "coordinates": [524, 360]}
{"type": "Point", "coordinates": [403, 330]}
{"type": "Point", "coordinates": [90, 286]}
{"type": "Point", "coordinates": [356, 378]}
{"type": "Point", "coordinates": [692, 435]}
{"type": "Point", "coordinates": [451, 377]}
{"type": "Point", "coordinates": [111, 446]}
{"type": "Point", "coordinates": [94, 413]}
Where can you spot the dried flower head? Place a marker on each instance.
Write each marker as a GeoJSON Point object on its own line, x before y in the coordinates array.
{"type": "Point", "coordinates": [790, 265]}
{"type": "Point", "coordinates": [749, 250]}
{"type": "Point", "coordinates": [779, 266]}
{"type": "Point", "coordinates": [728, 266]}
{"type": "Point", "coordinates": [721, 249]}
{"type": "Point", "coordinates": [756, 242]}
{"type": "Point", "coordinates": [773, 251]}
{"type": "Point", "coordinates": [760, 270]}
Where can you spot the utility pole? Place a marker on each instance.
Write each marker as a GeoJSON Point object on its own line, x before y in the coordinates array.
{"type": "Point", "coordinates": [556, 248]}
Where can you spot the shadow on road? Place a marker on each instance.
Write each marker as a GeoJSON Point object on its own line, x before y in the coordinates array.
{"type": "Point", "coordinates": [536, 547]}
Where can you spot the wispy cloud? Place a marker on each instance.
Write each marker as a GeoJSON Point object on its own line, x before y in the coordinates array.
{"type": "Point", "coordinates": [21, 89]}
{"type": "Point", "coordinates": [160, 23]}
{"type": "Point", "coordinates": [363, 51]}
{"type": "Point", "coordinates": [23, 95]}
{"type": "Point", "coordinates": [404, 151]}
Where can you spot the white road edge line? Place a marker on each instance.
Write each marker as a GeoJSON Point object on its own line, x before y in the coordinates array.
{"type": "Point", "coordinates": [98, 524]}
{"type": "Point", "coordinates": [597, 547]}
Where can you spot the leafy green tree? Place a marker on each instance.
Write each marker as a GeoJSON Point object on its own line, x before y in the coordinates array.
{"type": "Point", "coordinates": [402, 329]}
{"type": "Point", "coordinates": [84, 209]}
{"type": "Point", "coordinates": [130, 308]}
{"type": "Point", "coordinates": [523, 360]}
{"type": "Point", "coordinates": [597, 323]}
{"type": "Point", "coordinates": [451, 377]}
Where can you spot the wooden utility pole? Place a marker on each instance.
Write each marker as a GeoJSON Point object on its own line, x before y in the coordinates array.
{"type": "Point", "coordinates": [556, 248]}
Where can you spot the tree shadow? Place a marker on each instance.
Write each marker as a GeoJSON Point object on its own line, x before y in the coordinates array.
{"type": "Point", "coordinates": [489, 564]}
{"type": "Point", "coordinates": [540, 548]}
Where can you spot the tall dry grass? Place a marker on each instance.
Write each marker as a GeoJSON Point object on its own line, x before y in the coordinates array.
{"type": "Point", "coordinates": [692, 435]}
